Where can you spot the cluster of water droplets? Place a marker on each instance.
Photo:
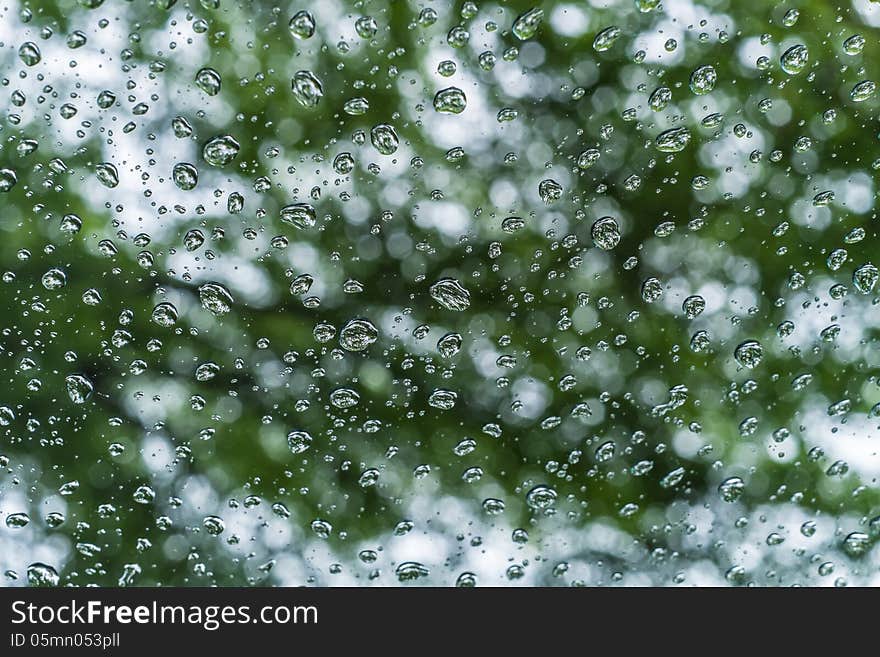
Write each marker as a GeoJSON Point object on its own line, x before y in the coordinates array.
{"type": "Point", "coordinates": [454, 294]}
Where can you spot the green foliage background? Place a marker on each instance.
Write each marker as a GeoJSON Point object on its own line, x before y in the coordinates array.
{"type": "Point", "coordinates": [396, 230]}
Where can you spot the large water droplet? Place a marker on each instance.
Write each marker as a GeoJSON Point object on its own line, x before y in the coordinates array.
{"type": "Point", "coordinates": [107, 174]}
{"type": "Point", "coordinates": [79, 388]}
{"type": "Point", "coordinates": [358, 334]}
{"type": "Point", "coordinates": [795, 59]}
{"type": "Point", "coordinates": [731, 489]}
{"type": "Point", "coordinates": [749, 353]}
{"type": "Point", "coordinates": [541, 497]}
{"type": "Point", "coordinates": [302, 25]}
{"type": "Point", "coordinates": [54, 279]}
{"type": "Point", "coordinates": [450, 294]}
{"type": "Point", "coordinates": [42, 575]}
{"type": "Point", "coordinates": [215, 298]}
{"type": "Point", "coordinates": [409, 571]}
{"type": "Point", "coordinates": [443, 399]}
{"type": "Point", "coordinates": [605, 233]}
{"type": "Point", "coordinates": [659, 98]}
{"type": "Point", "coordinates": [703, 80]}
{"type": "Point", "coordinates": [300, 215]}
{"type": "Point", "coordinates": [29, 53]}
{"type": "Point", "coordinates": [863, 91]}
{"type": "Point", "coordinates": [673, 140]}
{"type": "Point", "coordinates": [164, 314]}
{"type": "Point", "coordinates": [299, 441]}
{"type": "Point", "coordinates": [865, 278]}
{"type": "Point", "coordinates": [8, 180]}
{"type": "Point", "coordinates": [450, 101]}
{"type": "Point", "coordinates": [606, 38]}
{"type": "Point", "coordinates": [526, 24]}
{"type": "Point", "coordinates": [384, 138]}
{"type": "Point", "coordinates": [307, 89]}
{"type": "Point", "coordinates": [208, 80]}
{"type": "Point", "coordinates": [185, 175]}
{"type": "Point", "coordinates": [221, 150]}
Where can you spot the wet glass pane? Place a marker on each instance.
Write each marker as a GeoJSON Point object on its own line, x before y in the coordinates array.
{"type": "Point", "coordinates": [414, 292]}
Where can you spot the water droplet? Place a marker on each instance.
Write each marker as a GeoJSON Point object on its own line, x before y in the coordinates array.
{"type": "Point", "coordinates": [322, 528]}
{"type": "Point", "coordinates": [549, 190]}
{"type": "Point", "coordinates": [42, 575]}
{"type": "Point", "coordinates": [854, 45]}
{"type": "Point", "coordinates": [409, 571]}
{"type": "Point", "coordinates": [447, 68]}
{"type": "Point", "coordinates": [863, 91]}
{"type": "Point", "coordinates": [457, 37]}
{"type": "Point", "coordinates": [652, 290]}
{"type": "Point", "coordinates": [214, 525]}
{"type": "Point", "coordinates": [731, 489]}
{"type": "Point", "coordinates": [164, 314]}
{"type": "Point", "coordinates": [29, 53]}
{"type": "Point", "coordinates": [605, 233]}
{"type": "Point", "coordinates": [512, 224]}
{"type": "Point", "coordinates": [79, 388]}
{"type": "Point", "coordinates": [693, 306]}
{"type": "Point", "coordinates": [185, 176]}
{"type": "Point", "coordinates": [660, 98]}
{"type": "Point", "coordinates": [143, 494]}
{"type": "Point", "coordinates": [646, 6]}
{"type": "Point", "coordinates": [358, 334]}
{"type": "Point", "coordinates": [749, 353]}
{"type": "Point", "coordinates": [343, 163]}
{"type": "Point", "coordinates": [791, 17]}
{"type": "Point", "coordinates": [449, 345]}
{"type": "Point", "coordinates": [215, 298]}
{"type": "Point", "coordinates": [106, 99]}
{"type": "Point", "coordinates": [17, 520]}
{"type": "Point", "coordinates": [356, 106]}
{"type": "Point", "coordinates": [450, 101]}
{"type": "Point", "coordinates": [795, 59]}
{"type": "Point", "coordinates": [466, 580]}
{"type": "Point", "coordinates": [344, 398]}
{"type": "Point", "coordinates": [368, 478]}
{"type": "Point", "coordinates": [526, 24]}
{"type": "Point", "coordinates": [8, 180]}
{"type": "Point", "coordinates": [54, 279]}
{"type": "Point", "coordinates": [107, 174]}
{"type": "Point", "coordinates": [443, 399]}
{"type": "Point", "coordinates": [450, 294]}
{"type": "Point", "coordinates": [673, 140]}
{"type": "Point", "coordinates": [193, 239]}
{"type": "Point", "coordinates": [824, 198]}
{"type": "Point", "coordinates": [301, 284]}
{"type": "Point", "coordinates": [221, 150]}
{"type": "Point", "coordinates": [384, 139]}
{"type": "Point", "coordinates": [672, 478]}
{"type": "Point", "coordinates": [208, 80]}
{"type": "Point", "coordinates": [703, 80]}
{"type": "Point", "coordinates": [300, 215]}
{"type": "Point", "coordinates": [856, 544]}
{"type": "Point", "coordinates": [180, 127]}
{"type": "Point", "coordinates": [299, 441]}
{"type": "Point", "coordinates": [307, 89]}
{"type": "Point", "coordinates": [865, 278]}
{"type": "Point", "coordinates": [606, 38]}
{"type": "Point", "coordinates": [7, 415]}
{"type": "Point", "coordinates": [302, 25]}
{"type": "Point", "coordinates": [70, 224]}
{"type": "Point", "coordinates": [541, 497]}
